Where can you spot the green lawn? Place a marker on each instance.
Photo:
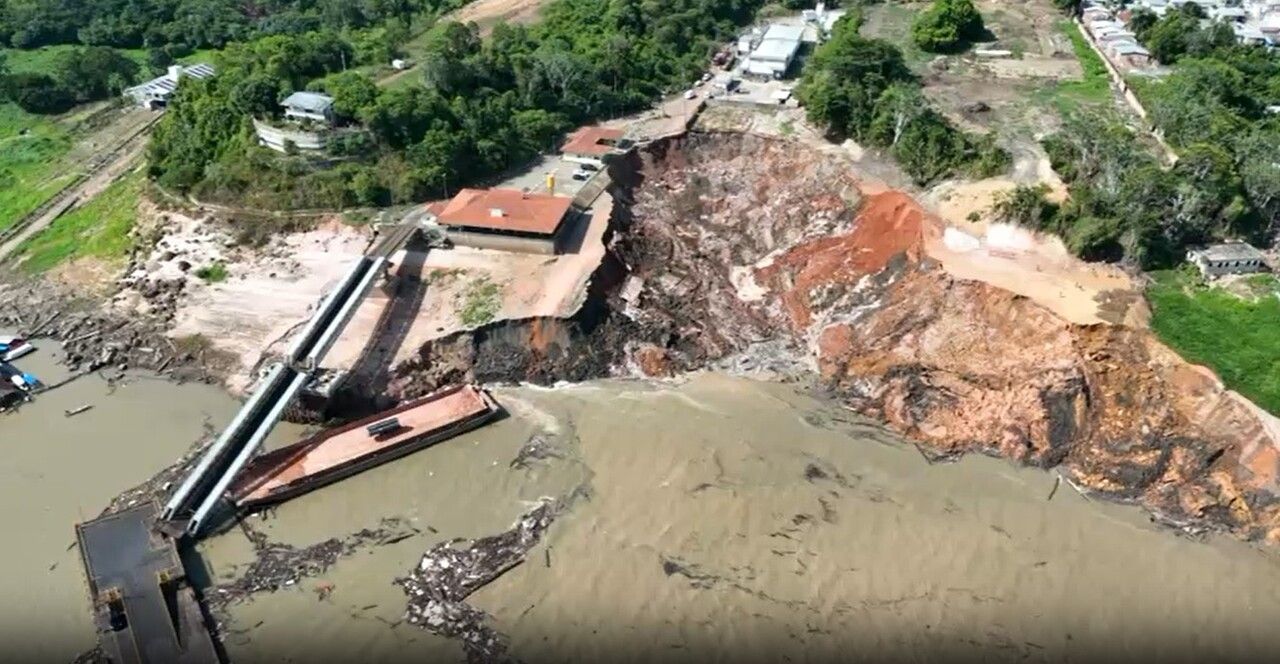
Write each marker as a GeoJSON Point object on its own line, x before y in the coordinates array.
{"type": "Point", "coordinates": [100, 229]}
{"type": "Point", "coordinates": [40, 60]}
{"type": "Point", "coordinates": [1093, 88]}
{"type": "Point", "coordinates": [30, 148]}
{"type": "Point", "coordinates": [1238, 337]}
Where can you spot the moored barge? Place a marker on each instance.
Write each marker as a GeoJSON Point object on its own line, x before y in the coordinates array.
{"type": "Point", "coordinates": [338, 453]}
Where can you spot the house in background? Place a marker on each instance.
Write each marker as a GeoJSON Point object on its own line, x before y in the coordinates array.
{"type": "Point", "coordinates": [156, 93]}
{"type": "Point", "coordinates": [592, 145]}
{"type": "Point", "coordinates": [505, 219]}
{"type": "Point", "coordinates": [772, 58]}
{"type": "Point", "coordinates": [310, 127]}
{"type": "Point", "coordinates": [312, 106]}
{"type": "Point", "coordinates": [1229, 258]}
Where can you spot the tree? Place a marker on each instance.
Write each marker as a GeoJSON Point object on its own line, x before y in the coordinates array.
{"type": "Point", "coordinates": [353, 93]}
{"type": "Point", "coordinates": [948, 26]}
{"type": "Point", "coordinates": [38, 93]}
{"type": "Point", "coordinates": [95, 72]}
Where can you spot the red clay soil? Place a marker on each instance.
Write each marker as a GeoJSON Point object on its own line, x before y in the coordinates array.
{"type": "Point", "coordinates": [889, 224]}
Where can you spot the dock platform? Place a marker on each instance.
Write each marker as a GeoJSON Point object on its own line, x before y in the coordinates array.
{"type": "Point", "coordinates": [143, 609]}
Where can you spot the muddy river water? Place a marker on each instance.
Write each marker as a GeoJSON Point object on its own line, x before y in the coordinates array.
{"type": "Point", "coordinates": [717, 519]}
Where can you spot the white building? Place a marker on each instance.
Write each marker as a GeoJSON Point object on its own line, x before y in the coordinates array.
{"type": "Point", "coordinates": [776, 51]}
{"type": "Point", "coordinates": [1229, 258]}
{"type": "Point", "coordinates": [155, 94]}
{"type": "Point", "coordinates": [311, 106]}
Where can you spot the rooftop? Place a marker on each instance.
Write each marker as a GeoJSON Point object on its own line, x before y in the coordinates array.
{"type": "Point", "coordinates": [311, 102]}
{"type": "Point", "coordinates": [168, 83]}
{"type": "Point", "coordinates": [786, 32]}
{"type": "Point", "coordinates": [506, 210]}
{"type": "Point", "coordinates": [592, 140]}
{"type": "Point", "coordinates": [1230, 251]}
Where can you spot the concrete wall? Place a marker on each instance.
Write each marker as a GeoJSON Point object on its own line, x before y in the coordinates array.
{"type": "Point", "coordinates": [275, 137]}
{"type": "Point", "coordinates": [1218, 268]}
{"type": "Point", "coordinates": [502, 242]}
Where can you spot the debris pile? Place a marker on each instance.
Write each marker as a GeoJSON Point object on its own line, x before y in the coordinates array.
{"type": "Point", "coordinates": [281, 565]}
{"type": "Point", "coordinates": [451, 571]}
{"type": "Point", "coordinates": [93, 338]}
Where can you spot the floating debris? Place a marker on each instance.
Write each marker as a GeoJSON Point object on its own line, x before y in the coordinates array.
{"type": "Point", "coordinates": [281, 565]}
{"type": "Point", "coordinates": [451, 571]}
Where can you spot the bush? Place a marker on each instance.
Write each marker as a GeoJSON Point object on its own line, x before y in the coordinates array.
{"type": "Point", "coordinates": [948, 26]}
{"type": "Point", "coordinates": [38, 93]}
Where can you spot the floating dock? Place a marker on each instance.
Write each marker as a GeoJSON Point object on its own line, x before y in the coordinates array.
{"type": "Point", "coordinates": [290, 471]}
{"type": "Point", "coordinates": [143, 608]}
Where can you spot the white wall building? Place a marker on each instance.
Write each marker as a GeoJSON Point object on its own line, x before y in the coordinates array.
{"type": "Point", "coordinates": [309, 106]}
{"type": "Point", "coordinates": [155, 94]}
{"type": "Point", "coordinates": [776, 51]}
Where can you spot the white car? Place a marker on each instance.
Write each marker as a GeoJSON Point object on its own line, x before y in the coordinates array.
{"type": "Point", "coordinates": [691, 94]}
{"type": "Point", "coordinates": [13, 347]}
{"type": "Point", "coordinates": [581, 174]}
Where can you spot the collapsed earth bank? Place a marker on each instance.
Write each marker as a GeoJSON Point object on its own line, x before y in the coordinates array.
{"type": "Point", "coordinates": [763, 256]}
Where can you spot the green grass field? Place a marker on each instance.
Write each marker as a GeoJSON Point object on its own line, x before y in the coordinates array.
{"type": "Point", "coordinates": [1093, 88]}
{"type": "Point", "coordinates": [1238, 337]}
{"type": "Point", "coordinates": [30, 149]}
{"type": "Point", "coordinates": [100, 229]}
{"type": "Point", "coordinates": [40, 60]}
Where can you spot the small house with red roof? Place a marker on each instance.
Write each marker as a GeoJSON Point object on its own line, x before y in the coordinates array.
{"type": "Point", "coordinates": [592, 145]}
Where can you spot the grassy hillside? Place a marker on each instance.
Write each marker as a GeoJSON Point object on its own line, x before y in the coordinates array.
{"type": "Point", "coordinates": [99, 229]}
{"type": "Point", "coordinates": [30, 148]}
{"type": "Point", "coordinates": [1236, 335]}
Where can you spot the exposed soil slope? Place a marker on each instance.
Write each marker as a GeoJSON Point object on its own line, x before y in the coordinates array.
{"type": "Point", "coordinates": [748, 252]}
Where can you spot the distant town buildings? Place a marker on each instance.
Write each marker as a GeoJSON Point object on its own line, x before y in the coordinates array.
{"type": "Point", "coordinates": [156, 93]}
{"type": "Point", "coordinates": [1253, 21]}
{"type": "Point", "coordinates": [505, 219]}
{"type": "Point", "coordinates": [1230, 258]}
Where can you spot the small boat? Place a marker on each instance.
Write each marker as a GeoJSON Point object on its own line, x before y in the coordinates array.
{"type": "Point", "coordinates": [15, 377]}
{"type": "Point", "coordinates": [338, 453]}
{"type": "Point", "coordinates": [13, 347]}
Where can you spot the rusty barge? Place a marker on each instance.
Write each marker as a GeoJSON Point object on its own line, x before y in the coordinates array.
{"type": "Point", "coordinates": [338, 453]}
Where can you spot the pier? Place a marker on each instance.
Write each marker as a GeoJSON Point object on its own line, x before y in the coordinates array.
{"type": "Point", "coordinates": [144, 609]}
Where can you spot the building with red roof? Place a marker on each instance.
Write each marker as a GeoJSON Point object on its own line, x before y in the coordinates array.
{"type": "Point", "coordinates": [593, 144]}
{"type": "Point", "coordinates": [505, 219]}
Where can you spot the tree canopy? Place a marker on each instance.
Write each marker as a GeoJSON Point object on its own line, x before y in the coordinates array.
{"type": "Point", "coordinates": [948, 26]}
{"type": "Point", "coordinates": [860, 88]}
{"type": "Point", "coordinates": [479, 107]}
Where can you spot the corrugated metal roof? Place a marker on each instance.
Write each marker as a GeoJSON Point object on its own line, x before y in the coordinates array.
{"type": "Point", "coordinates": [1231, 251]}
{"type": "Point", "coordinates": [310, 102]}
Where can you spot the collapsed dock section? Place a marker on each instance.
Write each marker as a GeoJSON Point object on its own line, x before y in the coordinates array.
{"type": "Point", "coordinates": [144, 610]}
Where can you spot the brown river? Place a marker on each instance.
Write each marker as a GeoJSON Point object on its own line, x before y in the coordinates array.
{"type": "Point", "coordinates": [717, 519]}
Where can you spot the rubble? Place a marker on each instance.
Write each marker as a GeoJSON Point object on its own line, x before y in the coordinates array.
{"type": "Point", "coordinates": [279, 565]}
{"type": "Point", "coordinates": [451, 571]}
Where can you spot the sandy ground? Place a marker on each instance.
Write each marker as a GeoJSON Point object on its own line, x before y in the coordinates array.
{"type": "Point", "coordinates": [528, 286]}
{"type": "Point", "coordinates": [269, 295]}
{"type": "Point", "coordinates": [488, 13]}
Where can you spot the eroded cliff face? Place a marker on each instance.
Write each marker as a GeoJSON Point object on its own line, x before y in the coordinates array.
{"type": "Point", "coordinates": [742, 251]}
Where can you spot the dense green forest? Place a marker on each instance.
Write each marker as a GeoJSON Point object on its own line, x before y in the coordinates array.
{"type": "Point", "coordinates": [1213, 110]}
{"type": "Point", "coordinates": [194, 23]}
{"type": "Point", "coordinates": [948, 26]}
{"type": "Point", "coordinates": [862, 89]}
{"type": "Point", "coordinates": [482, 105]}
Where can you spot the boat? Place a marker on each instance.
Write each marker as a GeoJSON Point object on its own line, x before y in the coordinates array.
{"type": "Point", "coordinates": [338, 453]}
{"type": "Point", "coordinates": [13, 347]}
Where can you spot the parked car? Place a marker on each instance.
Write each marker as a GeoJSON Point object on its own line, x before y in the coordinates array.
{"type": "Point", "coordinates": [581, 175]}
{"type": "Point", "coordinates": [691, 94]}
{"type": "Point", "coordinates": [13, 347]}
{"type": "Point", "coordinates": [589, 167]}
